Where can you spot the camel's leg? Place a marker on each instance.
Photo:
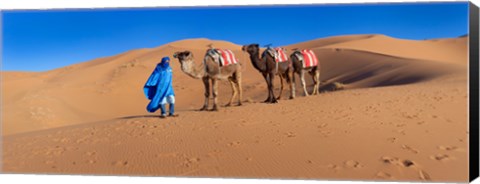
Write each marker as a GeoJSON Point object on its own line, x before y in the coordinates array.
{"type": "Point", "coordinates": [281, 86]}
{"type": "Point", "coordinates": [234, 91]}
{"type": "Point", "coordinates": [270, 88]}
{"type": "Point", "coordinates": [215, 94]}
{"type": "Point", "coordinates": [238, 80]}
{"type": "Point", "coordinates": [316, 80]}
{"type": "Point", "coordinates": [290, 76]}
{"type": "Point", "coordinates": [302, 78]}
{"type": "Point", "coordinates": [319, 81]}
{"type": "Point", "coordinates": [206, 83]}
{"type": "Point", "coordinates": [266, 77]}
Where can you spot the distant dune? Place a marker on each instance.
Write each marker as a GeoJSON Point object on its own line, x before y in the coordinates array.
{"type": "Point", "coordinates": [445, 50]}
{"type": "Point", "coordinates": [401, 116]}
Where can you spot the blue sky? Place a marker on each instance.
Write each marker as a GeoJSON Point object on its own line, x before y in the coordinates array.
{"type": "Point", "coordinates": [45, 40]}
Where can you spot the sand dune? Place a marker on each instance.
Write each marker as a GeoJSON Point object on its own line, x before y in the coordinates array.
{"type": "Point", "coordinates": [446, 50]}
{"type": "Point", "coordinates": [71, 119]}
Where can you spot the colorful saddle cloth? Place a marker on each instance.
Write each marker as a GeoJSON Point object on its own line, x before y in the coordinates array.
{"type": "Point", "coordinates": [223, 56]}
{"type": "Point", "coordinates": [308, 58]}
{"type": "Point", "coordinates": [278, 53]}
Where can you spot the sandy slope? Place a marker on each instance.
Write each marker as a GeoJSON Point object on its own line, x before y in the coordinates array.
{"type": "Point", "coordinates": [377, 128]}
{"type": "Point", "coordinates": [446, 50]}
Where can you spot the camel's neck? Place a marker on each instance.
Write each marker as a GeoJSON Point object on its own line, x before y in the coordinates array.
{"type": "Point", "coordinates": [193, 70]}
{"type": "Point", "coordinates": [257, 62]}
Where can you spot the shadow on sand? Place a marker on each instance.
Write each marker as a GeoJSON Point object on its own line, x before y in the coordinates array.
{"type": "Point", "coordinates": [139, 116]}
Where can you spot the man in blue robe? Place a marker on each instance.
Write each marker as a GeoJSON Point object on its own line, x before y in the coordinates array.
{"type": "Point", "coordinates": [159, 90]}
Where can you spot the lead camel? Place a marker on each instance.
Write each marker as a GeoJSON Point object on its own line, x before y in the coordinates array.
{"type": "Point", "coordinates": [210, 70]}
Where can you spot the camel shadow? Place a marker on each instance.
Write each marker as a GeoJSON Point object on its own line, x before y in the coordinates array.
{"type": "Point", "coordinates": [330, 87]}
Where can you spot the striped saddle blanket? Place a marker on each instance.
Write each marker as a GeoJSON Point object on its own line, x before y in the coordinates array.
{"type": "Point", "coordinates": [278, 53]}
{"type": "Point", "coordinates": [223, 56]}
{"type": "Point", "coordinates": [308, 57]}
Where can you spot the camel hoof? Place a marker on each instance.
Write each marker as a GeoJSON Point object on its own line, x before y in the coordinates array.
{"type": "Point", "coordinates": [274, 101]}
{"type": "Point", "coordinates": [291, 98]}
{"type": "Point", "coordinates": [266, 101]}
{"type": "Point", "coordinates": [203, 109]}
{"type": "Point", "coordinates": [228, 105]}
{"type": "Point", "coordinates": [215, 108]}
{"type": "Point", "coordinates": [278, 98]}
{"type": "Point", "coordinates": [239, 104]}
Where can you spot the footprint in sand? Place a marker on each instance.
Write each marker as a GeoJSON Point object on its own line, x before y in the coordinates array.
{"type": "Point", "coordinates": [392, 139]}
{"type": "Point", "coordinates": [397, 161]}
{"type": "Point", "coordinates": [234, 144]}
{"type": "Point", "coordinates": [120, 163]}
{"type": "Point", "coordinates": [352, 164]}
{"type": "Point", "coordinates": [450, 148]}
{"type": "Point", "coordinates": [424, 175]}
{"type": "Point", "coordinates": [408, 148]}
{"type": "Point", "coordinates": [406, 164]}
{"type": "Point", "coordinates": [334, 167]}
{"type": "Point", "coordinates": [441, 157]}
{"type": "Point", "coordinates": [191, 161]}
{"type": "Point", "coordinates": [384, 175]}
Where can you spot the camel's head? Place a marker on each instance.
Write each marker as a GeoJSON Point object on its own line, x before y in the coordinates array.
{"type": "Point", "coordinates": [185, 56]}
{"type": "Point", "coordinates": [251, 49]}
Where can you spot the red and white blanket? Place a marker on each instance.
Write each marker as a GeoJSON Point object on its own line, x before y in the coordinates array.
{"type": "Point", "coordinates": [309, 58]}
{"type": "Point", "coordinates": [227, 57]}
{"type": "Point", "coordinates": [281, 55]}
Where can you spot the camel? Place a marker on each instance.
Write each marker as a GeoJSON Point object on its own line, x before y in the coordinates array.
{"type": "Point", "coordinates": [269, 68]}
{"type": "Point", "coordinates": [314, 71]}
{"type": "Point", "coordinates": [210, 70]}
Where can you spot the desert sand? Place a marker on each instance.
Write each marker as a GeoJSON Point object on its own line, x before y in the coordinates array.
{"type": "Point", "coordinates": [390, 109]}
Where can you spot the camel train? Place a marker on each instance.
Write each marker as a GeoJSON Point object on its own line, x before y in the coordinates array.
{"type": "Point", "coordinates": [221, 64]}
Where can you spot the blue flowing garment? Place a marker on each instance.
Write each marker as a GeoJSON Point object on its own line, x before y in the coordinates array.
{"type": "Point", "coordinates": [159, 85]}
